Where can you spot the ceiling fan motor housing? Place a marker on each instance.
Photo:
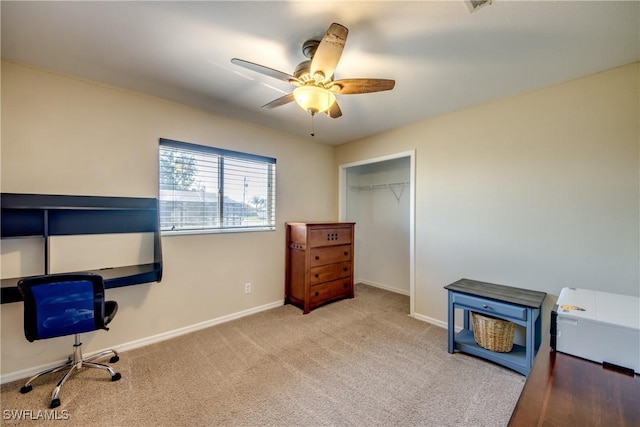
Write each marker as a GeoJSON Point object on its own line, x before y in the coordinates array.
{"type": "Point", "coordinates": [309, 48]}
{"type": "Point", "coordinates": [302, 70]}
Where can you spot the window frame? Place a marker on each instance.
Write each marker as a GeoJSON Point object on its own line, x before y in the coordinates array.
{"type": "Point", "coordinates": [222, 155]}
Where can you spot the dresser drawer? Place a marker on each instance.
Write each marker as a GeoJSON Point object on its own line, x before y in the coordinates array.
{"type": "Point", "coordinates": [329, 236]}
{"type": "Point", "coordinates": [330, 255]}
{"type": "Point", "coordinates": [329, 272]}
{"type": "Point", "coordinates": [324, 292]}
{"type": "Point", "coordinates": [489, 306]}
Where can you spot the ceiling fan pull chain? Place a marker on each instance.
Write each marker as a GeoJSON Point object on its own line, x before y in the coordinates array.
{"type": "Point", "coordinates": [313, 132]}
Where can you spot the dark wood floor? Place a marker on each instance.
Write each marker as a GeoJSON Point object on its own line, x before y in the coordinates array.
{"type": "Point", "coordinates": [564, 390]}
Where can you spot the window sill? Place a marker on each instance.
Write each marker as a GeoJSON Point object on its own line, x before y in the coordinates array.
{"type": "Point", "coordinates": [170, 233]}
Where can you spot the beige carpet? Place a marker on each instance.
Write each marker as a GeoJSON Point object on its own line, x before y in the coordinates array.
{"type": "Point", "coordinates": [359, 362]}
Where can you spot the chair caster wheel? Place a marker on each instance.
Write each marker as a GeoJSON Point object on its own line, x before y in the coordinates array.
{"type": "Point", "coordinates": [55, 403]}
{"type": "Point", "coordinates": [114, 359]}
{"type": "Point", "coordinates": [116, 377]}
{"type": "Point", "coordinates": [26, 389]}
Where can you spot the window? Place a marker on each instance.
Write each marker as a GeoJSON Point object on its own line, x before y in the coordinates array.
{"type": "Point", "coordinates": [205, 189]}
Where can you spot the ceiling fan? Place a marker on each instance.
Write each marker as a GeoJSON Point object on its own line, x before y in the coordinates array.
{"type": "Point", "coordinates": [316, 88]}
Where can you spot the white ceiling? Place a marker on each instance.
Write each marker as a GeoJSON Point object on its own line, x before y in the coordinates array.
{"type": "Point", "coordinates": [442, 57]}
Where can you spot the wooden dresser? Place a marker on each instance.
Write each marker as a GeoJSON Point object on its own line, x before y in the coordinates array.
{"type": "Point", "coordinates": [319, 263]}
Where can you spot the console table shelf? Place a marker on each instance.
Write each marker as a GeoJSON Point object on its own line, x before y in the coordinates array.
{"type": "Point", "coordinates": [520, 306]}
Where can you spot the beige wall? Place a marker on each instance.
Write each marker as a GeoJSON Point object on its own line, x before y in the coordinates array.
{"type": "Point", "coordinates": [61, 135]}
{"type": "Point", "coordinates": [539, 191]}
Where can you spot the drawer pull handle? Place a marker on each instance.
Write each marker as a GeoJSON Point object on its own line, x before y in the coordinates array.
{"type": "Point", "coordinates": [317, 275]}
{"type": "Point", "coordinates": [346, 253]}
{"type": "Point", "coordinates": [317, 293]}
{"type": "Point", "coordinates": [345, 269]}
{"type": "Point", "coordinates": [317, 257]}
{"type": "Point", "coordinates": [346, 285]}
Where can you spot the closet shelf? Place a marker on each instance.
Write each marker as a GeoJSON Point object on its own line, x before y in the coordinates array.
{"type": "Point", "coordinates": [379, 186]}
{"type": "Point", "coordinates": [393, 186]}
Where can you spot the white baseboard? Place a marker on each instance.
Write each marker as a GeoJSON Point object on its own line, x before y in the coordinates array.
{"type": "Point", "coordinates": [417, 316]}
{"type": "Point", "coordinates": [431, 320]}
{"type": "Point", "coordinates": [435, 322]}
{"type": "Point", "coordinates": [27, 373]}
{"type": "Point", "coordinates": [383, 286]}
{"type": "Point", "coordinates": [192, 328]}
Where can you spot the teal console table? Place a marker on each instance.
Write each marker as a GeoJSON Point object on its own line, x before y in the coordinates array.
{"type": "Point", "coordinates": [520, 306]}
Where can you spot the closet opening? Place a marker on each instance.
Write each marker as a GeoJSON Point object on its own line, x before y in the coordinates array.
{"type": "Point", "coordinates": [378, 194]}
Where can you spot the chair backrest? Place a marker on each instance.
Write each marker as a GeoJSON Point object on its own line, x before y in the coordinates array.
{"type": "Point", "coordinates": [56, 305]}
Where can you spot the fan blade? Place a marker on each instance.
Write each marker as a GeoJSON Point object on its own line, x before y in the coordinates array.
{"type": "Point", "coordinates": [329, 51]}
{"type": "Point", "coordinates": [355, 86]}
{"type": "Point", "coordinates": [280, 101]}
{"type": "Point", "coordinates": [334, 111]}
{"type": "Point", "coordinates": [265, 70]}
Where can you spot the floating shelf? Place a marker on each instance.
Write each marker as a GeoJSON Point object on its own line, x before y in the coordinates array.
{"type": "Point", "coordinates": [28, 215]}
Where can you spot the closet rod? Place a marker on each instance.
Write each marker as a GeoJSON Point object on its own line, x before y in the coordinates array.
{"type": "Point", "coordinates": [377, 186]}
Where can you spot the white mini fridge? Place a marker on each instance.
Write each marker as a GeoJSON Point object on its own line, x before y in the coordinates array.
{"type": "Point", "coordinates": [598, 326]}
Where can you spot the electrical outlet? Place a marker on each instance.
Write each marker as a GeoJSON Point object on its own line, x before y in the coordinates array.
{"type": "Point", "coordinates": [247, 288]}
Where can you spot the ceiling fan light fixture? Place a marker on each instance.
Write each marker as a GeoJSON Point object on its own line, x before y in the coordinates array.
{"type": "Point", "coordinates": [314, 99]}
{"type": "Point", "coordinates": [316, 88]}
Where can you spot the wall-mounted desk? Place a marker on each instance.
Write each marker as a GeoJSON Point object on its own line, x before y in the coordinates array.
{"type": "Point", "coordinates": [44, 216]}
{"type": "Point", "coordinates": [520, 306]}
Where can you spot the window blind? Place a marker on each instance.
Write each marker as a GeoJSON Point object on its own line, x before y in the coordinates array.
{"type": "Point", "coordinates": [208, 189]}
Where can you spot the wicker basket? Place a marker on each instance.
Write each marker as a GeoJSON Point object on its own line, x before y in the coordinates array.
{"type": "Point", "coordinates": [493, 334]}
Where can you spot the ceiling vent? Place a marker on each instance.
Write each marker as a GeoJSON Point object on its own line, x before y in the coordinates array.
{"type": "Point", "coordinates": [474, 5]}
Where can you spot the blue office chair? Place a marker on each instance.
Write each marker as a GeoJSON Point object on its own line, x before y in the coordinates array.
{"type": "Point", "coordinates": [58, 305]}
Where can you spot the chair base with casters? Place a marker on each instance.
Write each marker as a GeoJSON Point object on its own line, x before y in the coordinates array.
{"type": "Point", "coordinates": [67, 304]}
{"type": "Point", "coordinates": [74, 364]}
